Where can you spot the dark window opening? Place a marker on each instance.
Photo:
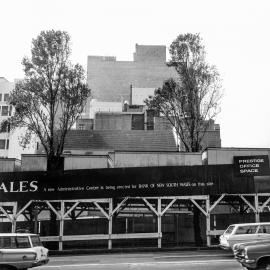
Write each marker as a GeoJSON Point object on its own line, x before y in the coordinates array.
{"type": "Point", "coordinates": [137, 122]}
{"type": "Point", "coordinates": [2, 144]}
{"type": "Point", "coordinates": [4, 110]}
{"type": "Point", "coordinates": [6, 97]}
{"type": "Point", "coordinates": [5, 126]}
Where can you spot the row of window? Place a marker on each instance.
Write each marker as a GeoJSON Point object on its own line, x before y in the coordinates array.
{"type": "Point", "coordinates": [4, 144]}
{"type": "Point", "coordinates": [5, 96]}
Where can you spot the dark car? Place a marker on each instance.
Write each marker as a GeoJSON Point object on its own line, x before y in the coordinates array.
{"type": "Point", "coordinates": [253, 255]}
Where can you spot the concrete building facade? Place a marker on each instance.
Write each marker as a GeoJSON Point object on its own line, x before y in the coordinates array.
{"type": "Point", "coordinates": [10, 139]}
{"type": "Point", "coordinates": [138, 95]}
{"type": "Point", "coordinates": [96, 106]}
{"type": "Point", "coordinates": [142, 120]}
{"type": "Point", "coordinates": [119, 121]}
{"type": "Point", "coordinates": [5, 112]}
{"type": "Point", "coordinates": [110, 79]}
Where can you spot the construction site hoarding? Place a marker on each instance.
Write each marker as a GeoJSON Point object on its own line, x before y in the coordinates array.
{"type": "Point", "coordinates": [251, 165]}
{"type": "Point", "coordinates": [123, 182]}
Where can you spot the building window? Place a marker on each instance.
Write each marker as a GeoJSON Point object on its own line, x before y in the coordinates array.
{"type": "Point", "coordinates": [4, 110]}
{"type": "Point", "coordinates": [81, 127]}
{"type": "Point", "coordinates": [6, 97]}
{"type": "Point", "coordinates": [7, 146]}
{"type": "Point", "coordinates": [0, 97]}
{"type": "Point", "coordinates": [10, 110]}
{"type": "Point", "coordinates": [137, 122]}
{"type": "Point", "coordinates": [5, 126]}
{"type": "Point", "coordinates": [2, 144]}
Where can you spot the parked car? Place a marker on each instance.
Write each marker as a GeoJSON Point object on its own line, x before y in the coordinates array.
{"type": "Point", "coordinates": [21, 251]}
{"type": "Point", "coordinates": [244, 232]}
{"type": "Point", "coordinates": [253, 255]}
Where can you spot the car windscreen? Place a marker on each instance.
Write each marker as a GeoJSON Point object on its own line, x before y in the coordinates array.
{"type": "Point", "coordinates": [7, 242]}
{"type": "Point", "coordinates": [23, 242]}
{"type": "Point", "coordinates": [35, 241]}
{"type": "Point", "coordinates": [229, 230]}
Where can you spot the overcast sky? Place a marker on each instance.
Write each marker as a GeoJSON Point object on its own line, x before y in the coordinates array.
{"type": "Point", "coordinates": [236, 34]}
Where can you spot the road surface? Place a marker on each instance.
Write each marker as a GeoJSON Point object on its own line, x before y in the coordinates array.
{"type": "Point", "coordinates": [184, 260]}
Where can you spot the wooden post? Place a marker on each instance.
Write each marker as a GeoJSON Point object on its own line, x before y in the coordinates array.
{"type": "Point", "coordinates": [126, 225]}
{"type": "Point", "coordinates": [110, 223]}
{"type": "Point", "coordinates": [35, 214]}
{"type": "Point", "coordinates": [61, 225]}
{"type": "Point", "coordinates": [159, 222]}
{"type": "Point", "coordinates": [257, 209]}
{"type": "Point", "coordinates": [14, 217]}
{"type": "Point", "coordinates": [13, 225]}
{"type": "Point", "coordinates": [208, 215]}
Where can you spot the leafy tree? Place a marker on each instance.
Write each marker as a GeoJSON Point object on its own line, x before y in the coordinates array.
{"type": "Point", "coordinates": [52, 95]}
{"type": "Point", "coordinates": [190, 101]}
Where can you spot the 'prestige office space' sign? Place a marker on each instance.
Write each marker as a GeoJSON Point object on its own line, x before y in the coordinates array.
{"type": "Point", "coordinates": [251, 165]}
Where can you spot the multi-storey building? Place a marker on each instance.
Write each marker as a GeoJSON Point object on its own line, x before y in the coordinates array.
{"type": "Point", "coordinates": [131, 82]}
{"type": "Point", "coordinates": [10, 139]}
{"type": "Point", "coordinates": [5, 112]}
{"type": "Point", "coordinates": [110, 80]}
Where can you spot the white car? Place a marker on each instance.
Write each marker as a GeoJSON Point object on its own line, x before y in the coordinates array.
{"type": "Point", "coordinates": [21, 251]}
{"type": "Point", "coordinates": [243, 233]}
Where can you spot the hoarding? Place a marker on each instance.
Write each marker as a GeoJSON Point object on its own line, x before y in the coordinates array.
{"type": "Point", "coordinates": [251, 165]}
{"type": "Point", "coordinates": [122, 182]}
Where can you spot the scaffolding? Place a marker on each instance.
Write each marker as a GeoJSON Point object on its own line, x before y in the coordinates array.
{"type": "Point", "coordinates": [109, 208]}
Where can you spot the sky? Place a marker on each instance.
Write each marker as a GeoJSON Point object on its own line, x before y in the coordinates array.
{"type": "Point", "coordinates": [236, 35]}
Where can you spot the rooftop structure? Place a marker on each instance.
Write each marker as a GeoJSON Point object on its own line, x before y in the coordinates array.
{"type": "Point", "coordinates": [105, 141]}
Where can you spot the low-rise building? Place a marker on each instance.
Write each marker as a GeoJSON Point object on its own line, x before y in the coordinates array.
{"type": "Point", "coordinates": [225, 155]}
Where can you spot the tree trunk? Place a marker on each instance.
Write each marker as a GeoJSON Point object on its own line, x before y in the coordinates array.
{"type": "Point", "coordinates": [55, 163]}
{"type": "Point", "coordinates": [197, 227]}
